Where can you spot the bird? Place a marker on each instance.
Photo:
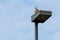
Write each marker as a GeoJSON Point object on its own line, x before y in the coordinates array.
{"type": "Point", "coordinates": [36, 10]}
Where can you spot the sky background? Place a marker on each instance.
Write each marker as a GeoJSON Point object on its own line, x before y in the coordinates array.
{"type": "Point", "coordinates": [15, 20]}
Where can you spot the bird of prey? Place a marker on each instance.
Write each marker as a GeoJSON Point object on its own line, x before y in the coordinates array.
{"type": "Point", "coordinates": [36, 10]}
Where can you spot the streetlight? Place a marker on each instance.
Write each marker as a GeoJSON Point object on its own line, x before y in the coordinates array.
{"type": "Point", "coordinates": [40, 16]}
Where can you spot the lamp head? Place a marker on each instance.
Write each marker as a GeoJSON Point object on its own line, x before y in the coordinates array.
{"type": "Point", "coordinates": [41, 16]}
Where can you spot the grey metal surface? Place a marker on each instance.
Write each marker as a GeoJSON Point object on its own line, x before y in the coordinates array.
{"type": "Point", "coordinates": [36, 31]}
{"type": "Point", "coordinates": [45, 12]}
{"type": "Point", "coordinates": [34, 16]}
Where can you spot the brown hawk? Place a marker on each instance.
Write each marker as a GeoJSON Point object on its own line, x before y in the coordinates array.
{"type": "Point", "coordinates": [36, 10]}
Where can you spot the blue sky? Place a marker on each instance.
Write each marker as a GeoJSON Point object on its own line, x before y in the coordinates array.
{"type": "Point", "coordinates": [15, 20]}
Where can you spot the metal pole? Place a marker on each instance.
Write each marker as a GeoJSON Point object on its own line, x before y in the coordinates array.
{"type": "Point", "coordinates": [36, 31]}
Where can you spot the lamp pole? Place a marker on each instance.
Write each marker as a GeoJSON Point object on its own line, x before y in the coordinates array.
{"type": "Point", "coordinates": [36, 31]}
{"type": "Point", "coordinates": [40, 16]}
